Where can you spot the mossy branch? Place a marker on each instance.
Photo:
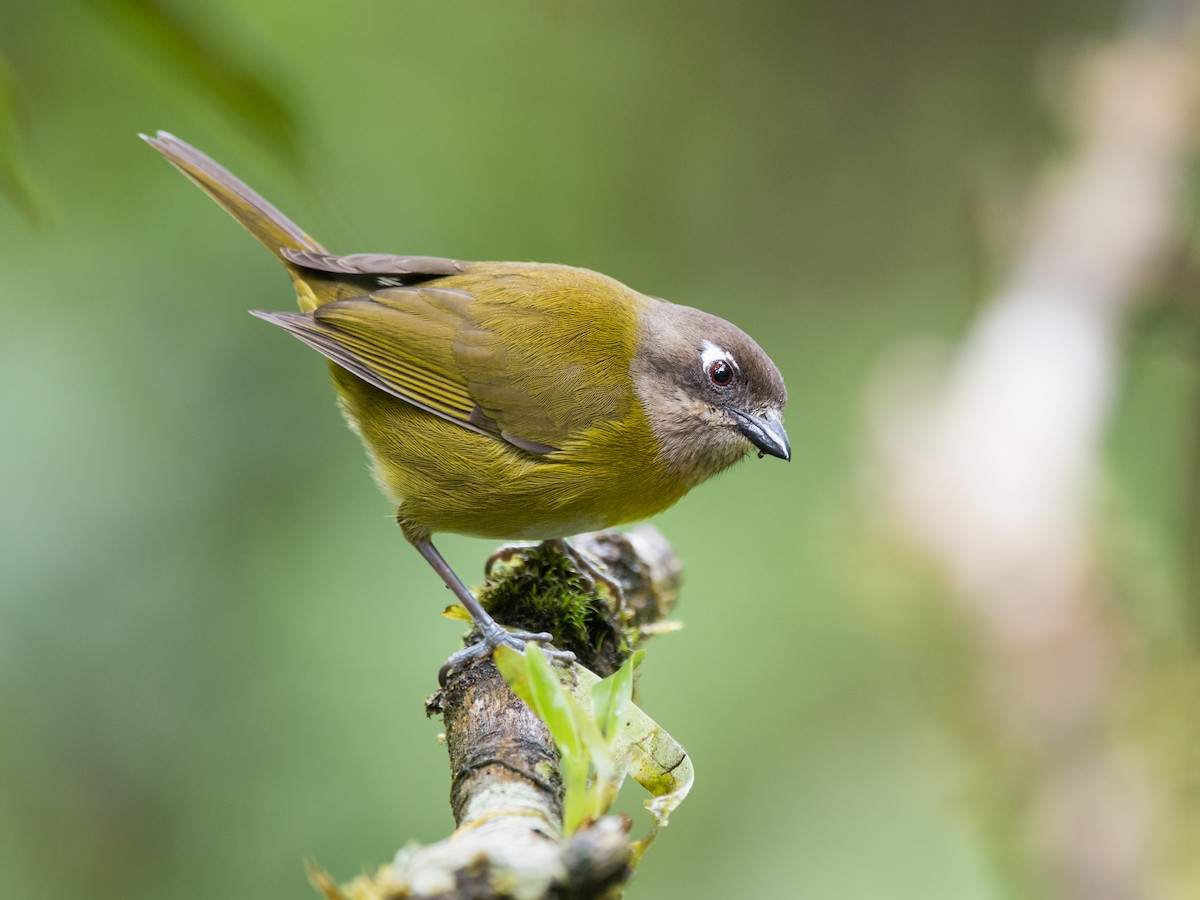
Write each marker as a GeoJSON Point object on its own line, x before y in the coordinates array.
{"type": "Point", "coordinates": [599, 597]}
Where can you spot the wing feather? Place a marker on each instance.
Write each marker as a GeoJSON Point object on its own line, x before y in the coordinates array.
{"type": "Point", "coordinates": [547, 351]}
{"type": "Point", "coordinates": [398, 344]}
{"type": "Point", "coordinates": [403, 269]}
{"type": "Point", "coordinates": [530, 355]}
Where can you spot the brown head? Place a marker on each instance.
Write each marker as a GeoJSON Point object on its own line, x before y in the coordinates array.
{"type": "Point", "coordinates": [709, 391]}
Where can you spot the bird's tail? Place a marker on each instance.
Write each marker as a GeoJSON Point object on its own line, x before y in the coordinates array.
{"type": "Point", "coordinates": [272, 228]}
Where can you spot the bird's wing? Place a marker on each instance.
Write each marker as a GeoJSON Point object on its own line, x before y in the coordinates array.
{"type": "Point", "coordinates": [387, 269]}
{"type": "Point", "coordinates": [400, 341]}
{"type": "Point", "coordinates": [546, 352]}
{"type": "Point", "coordinates": [509, 351]}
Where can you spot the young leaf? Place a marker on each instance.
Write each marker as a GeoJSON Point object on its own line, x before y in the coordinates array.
{"type": "Point", "coordinates": [511, 665]}
{"type": "Point", "coordinates": [551, 703]}
{"type": "Point", "coordinates": [655, 759]}
{"type": "Point", "coordinates": [594, 764]}
{"type": "Point", "coordinates": [610, 696]}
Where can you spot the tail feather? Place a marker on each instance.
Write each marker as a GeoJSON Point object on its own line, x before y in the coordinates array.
{"type": "Point", "coordinates": [272, 228]}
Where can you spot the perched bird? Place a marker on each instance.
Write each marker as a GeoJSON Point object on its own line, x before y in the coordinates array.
{"type": "Point", "coordinates": [513, 400]}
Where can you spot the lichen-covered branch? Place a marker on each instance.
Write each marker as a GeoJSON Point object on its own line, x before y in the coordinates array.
{"type": "Point", "coordinates": [599, 597]}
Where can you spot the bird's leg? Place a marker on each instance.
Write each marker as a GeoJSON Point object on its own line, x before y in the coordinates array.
{"type": "Point", "coordinates": [491, 631]}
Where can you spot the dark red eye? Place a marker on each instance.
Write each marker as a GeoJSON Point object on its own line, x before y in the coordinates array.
{"type": "Point", "coordinates": [720, 373]}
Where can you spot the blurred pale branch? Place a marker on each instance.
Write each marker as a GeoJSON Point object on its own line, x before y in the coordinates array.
{"type": "Point", "coordinates": [990, 463]}
{"type": "Point", "coordinates": [18, 182]}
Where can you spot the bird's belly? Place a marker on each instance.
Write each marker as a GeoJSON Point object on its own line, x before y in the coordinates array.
{"type": "Point", "coordinates": [445, 478]}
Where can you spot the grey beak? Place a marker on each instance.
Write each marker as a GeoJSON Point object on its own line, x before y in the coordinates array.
{"type": "Point", "coordinates": [768, 437]}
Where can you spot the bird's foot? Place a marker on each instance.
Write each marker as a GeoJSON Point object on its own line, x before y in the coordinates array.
{"type": "Point", "coordinates": [496, 636]}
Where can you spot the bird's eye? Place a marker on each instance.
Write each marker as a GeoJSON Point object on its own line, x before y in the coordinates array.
{"type": "Point", "coordinates": [720, 373]}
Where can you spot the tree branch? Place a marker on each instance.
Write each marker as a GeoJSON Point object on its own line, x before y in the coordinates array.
{"type": "Point", "coordinates": [505, 792]}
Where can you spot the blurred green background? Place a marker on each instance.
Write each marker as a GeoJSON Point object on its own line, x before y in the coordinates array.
{"type": "Point", "coordinates": [214, 644]}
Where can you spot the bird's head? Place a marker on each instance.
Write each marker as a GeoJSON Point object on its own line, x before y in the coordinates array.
{"type": "Point", "coordinates": [709, 391]}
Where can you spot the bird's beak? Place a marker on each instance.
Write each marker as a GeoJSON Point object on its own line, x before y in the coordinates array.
{"type": "Point", "coordinates": [768, 437]}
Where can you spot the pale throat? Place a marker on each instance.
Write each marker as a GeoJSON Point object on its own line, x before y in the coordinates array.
{"type": "Point", "coordinates": [695, 442]}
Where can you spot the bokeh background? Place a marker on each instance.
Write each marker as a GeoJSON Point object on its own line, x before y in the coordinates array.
{"type": "Point", "coordinates": [214, 644]}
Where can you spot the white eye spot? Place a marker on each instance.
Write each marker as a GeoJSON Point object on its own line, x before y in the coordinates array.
{"type": "Point", "coordinates": [718, 365]}
{"type": "Point", "coordinates": [711, 353]}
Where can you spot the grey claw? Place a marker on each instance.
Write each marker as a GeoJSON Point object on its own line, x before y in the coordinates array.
{"type": "Point", "coordinates": [542, 637]}
{"type": "Point", "coordinates": [518, 640]}
{"type": "Point", "coordinates": [457, 660]}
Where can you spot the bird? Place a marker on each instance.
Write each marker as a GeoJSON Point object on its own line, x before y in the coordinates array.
{"type": "Point", "coordinates": [512, 400]}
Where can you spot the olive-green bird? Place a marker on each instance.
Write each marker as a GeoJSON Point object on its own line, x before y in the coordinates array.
{"type": "Point", "coordinates": [513, 400]}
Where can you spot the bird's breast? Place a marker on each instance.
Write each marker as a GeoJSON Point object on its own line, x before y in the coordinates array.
{"type": "Point", "coordinates": [445, 478]}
